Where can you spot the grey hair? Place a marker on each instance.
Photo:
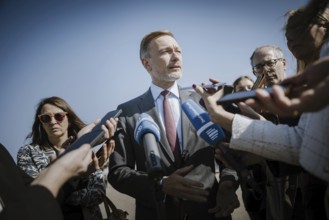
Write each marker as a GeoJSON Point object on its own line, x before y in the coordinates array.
{"type": "Point", "coordinates": [277, 51]}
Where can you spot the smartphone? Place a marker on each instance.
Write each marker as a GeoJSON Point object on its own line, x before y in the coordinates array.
{"type": "Point", "coordinates": [99, 151]}
{"type": "Point", "coordinates": [241, 96]}
{"type": "Point", "coordinates": [216, 85]}
{"type": "Point", "coordinates": [95, 134]}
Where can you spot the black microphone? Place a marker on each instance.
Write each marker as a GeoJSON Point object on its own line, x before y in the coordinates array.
{"type": "Point", "coordinates": [213, 134]}
{"type": "Point", "coordinates": [147, 133]}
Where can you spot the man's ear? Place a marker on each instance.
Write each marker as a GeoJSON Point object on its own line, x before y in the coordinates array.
{"type": "Point", "coordinates": [284, 63]}
{"type": "Point", "coordinates": [146, 64]}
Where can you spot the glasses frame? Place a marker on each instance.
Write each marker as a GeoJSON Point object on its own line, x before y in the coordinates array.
{"type": "Point", "coordinates": [52, 115]}
{"type": "Point", "coordinates": [269, 63]}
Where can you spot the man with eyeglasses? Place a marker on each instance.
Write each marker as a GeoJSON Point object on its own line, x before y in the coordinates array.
{"type": "Point", "coordinates": [268, 62]}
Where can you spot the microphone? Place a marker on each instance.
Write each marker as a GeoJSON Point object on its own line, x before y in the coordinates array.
{"type": "Point", "coordinates": [205, 128]}
{"type": "Point", "coordinates": [147, 133]}
{"type": "Point", "coordinates": [213, 134]}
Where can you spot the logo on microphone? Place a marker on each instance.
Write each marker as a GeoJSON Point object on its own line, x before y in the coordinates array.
{"type": "Point", "coordinates": [205, 128]}
{"type": "Point", "coordinates": [212, 133]}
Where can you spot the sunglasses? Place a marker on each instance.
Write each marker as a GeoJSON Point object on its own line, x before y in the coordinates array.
{"type": "Point", "coordinates": [46, 118]}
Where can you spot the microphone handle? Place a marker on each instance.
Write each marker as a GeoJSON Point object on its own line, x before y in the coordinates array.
{"type": "Point", "coordinates": [152, 154]}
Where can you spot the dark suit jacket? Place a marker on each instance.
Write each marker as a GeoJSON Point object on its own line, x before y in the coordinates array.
{"type": "Point", "coordinates": [20, 200]}
{"type": "Point", "coordinates": [129, 155]}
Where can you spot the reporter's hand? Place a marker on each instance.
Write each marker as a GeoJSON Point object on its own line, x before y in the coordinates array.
{"type": "Point", "coordinates": [69, 165]}
{"type": "Point", "coordinates": [76, 161]}
{"type": "Point", "coordinates": [243, 157]}
{"type": "Point", "coordinates": [108, 147]}
{"type": "Point", "coordinates": [109, 129]}
{"type": "Point", "coordinates": [100, 159]}
{"type": "Point", "coordinates": [106, 150]}
{"type": "Point", "coordinates": [249, 112]}
{"type": "Point", "coordinates": [277, 103]}
{"type": "Point", "coordinates": [313, 74]}
{"type": "Point", "coordinates": [178, 186]}
{"type": "Point", "coordinates": [226, 200]}
{"type": "Point", "coordinates": [88, 128]}
{"type": "Point", "coordinates": [216, 112]}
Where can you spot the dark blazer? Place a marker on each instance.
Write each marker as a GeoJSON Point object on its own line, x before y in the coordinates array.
{"type": "Point", "coordinates": [129, 155]}
{"type": "Point", "coordinates": [20, 200]}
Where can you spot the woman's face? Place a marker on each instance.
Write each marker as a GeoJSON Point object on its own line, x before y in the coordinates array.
{"type": "Point", "coordinates": [244, 85]}
{"type": "Point", "coordinates": [57, 123]}
{"type": "Point", "coordinates": [305, 44]}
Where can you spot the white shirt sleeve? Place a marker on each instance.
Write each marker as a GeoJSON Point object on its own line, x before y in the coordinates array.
{"type": "Point", "coordinates": [306, 144]}
{"type": "Point", "coordinates": [276, 142]}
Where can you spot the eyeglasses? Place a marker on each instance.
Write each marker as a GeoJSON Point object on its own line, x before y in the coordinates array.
{"type": "Point", "coordinates": [270, 63]}
{"type": "Point", "coordinates": [46, 118]}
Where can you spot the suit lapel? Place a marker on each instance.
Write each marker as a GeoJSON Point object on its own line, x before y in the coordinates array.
{"type": "Point", "coordinates": [186, 125]}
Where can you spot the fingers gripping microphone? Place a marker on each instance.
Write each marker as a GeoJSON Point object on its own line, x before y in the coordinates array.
{"type": "Point", "coordinates": [214, 134]}
{"type": "Point", "coordinates": [147, 133]}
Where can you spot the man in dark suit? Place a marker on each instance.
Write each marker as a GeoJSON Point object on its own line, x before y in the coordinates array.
{"type": "Point", "coordinates": [182, 196]}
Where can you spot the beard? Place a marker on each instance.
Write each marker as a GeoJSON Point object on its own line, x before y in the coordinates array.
{"type": "Point", "coordinates": [171, 77]}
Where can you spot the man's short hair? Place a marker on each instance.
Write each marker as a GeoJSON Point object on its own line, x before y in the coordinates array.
{"type": "Point", "coordinates": [143, 51]}
{"type": "Point", "coordinates": [277, 51]}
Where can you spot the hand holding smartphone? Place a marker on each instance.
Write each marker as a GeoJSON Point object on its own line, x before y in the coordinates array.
{"type": "Point", "coordinates": [208, 86]}
{"type": "Point", "coordinates": [242, 96]}
{"type": "Point", "coordinates": [94, 136]}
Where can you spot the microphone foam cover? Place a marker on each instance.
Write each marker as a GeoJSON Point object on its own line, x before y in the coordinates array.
{"type": "Point", "coordinates": [206, 129]}
{"type": "Point", "coordinates": [146, 124]}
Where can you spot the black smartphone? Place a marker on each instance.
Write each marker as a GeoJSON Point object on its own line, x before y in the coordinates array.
{"type": "Point", "coordinates": [241, 96]}
{"type": "Point", "coordinates": [95, 134]}
{"type": "Point", "coordinates": [100, 151]}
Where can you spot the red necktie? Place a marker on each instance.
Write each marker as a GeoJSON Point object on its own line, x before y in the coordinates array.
{"type": "Point", "coordinates": [170, 126]}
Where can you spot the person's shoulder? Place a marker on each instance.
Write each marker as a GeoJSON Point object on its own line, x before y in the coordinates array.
{"type": "Point", "coordinates": [133, 102]}
{"type": "Point", "coordinates": [28, 148]}
{"type": "Point", "coordinates": [25, 152]}
{"type": "Point", "coordinates": [189, 94]}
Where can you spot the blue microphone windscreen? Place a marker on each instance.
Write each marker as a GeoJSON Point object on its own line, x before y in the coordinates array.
{"type": "Point", "coordinates": [146, 124]}
{"type": "Point", "coordinates": [206, 129]}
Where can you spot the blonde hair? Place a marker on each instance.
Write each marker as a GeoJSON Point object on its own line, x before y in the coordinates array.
{"type": "Point", "coordinates": [143, 50]}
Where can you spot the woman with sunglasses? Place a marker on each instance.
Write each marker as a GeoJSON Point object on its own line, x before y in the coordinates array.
{"type": "Point", "coordinates": [55, 123]}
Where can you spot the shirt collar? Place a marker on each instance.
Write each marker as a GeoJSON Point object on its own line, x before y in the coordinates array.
{"type": "Point", "coordinates": [156, 90]}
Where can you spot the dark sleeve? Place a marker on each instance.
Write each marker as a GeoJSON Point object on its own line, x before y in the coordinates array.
{"type": "Point", "coordinates": [122, 173]}
{"type": "Point", "coordinates": [35, 202]}
{"type": "Point", "coordinates": [20, 200]}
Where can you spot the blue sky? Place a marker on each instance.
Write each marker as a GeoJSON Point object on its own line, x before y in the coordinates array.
{"type": "Point", "coordinates": [87, 51]}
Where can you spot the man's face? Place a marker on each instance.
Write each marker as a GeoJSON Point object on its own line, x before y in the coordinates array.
{"type": "Point", "coordinates": [164, 62]}
{"type": "Point", "coordinates": [266, 63]}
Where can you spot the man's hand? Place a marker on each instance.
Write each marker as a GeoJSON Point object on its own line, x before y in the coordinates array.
{"type": "Point", "coordinates": [226, 200]}
{"type": "Point", "coordinates": [178, 186]}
